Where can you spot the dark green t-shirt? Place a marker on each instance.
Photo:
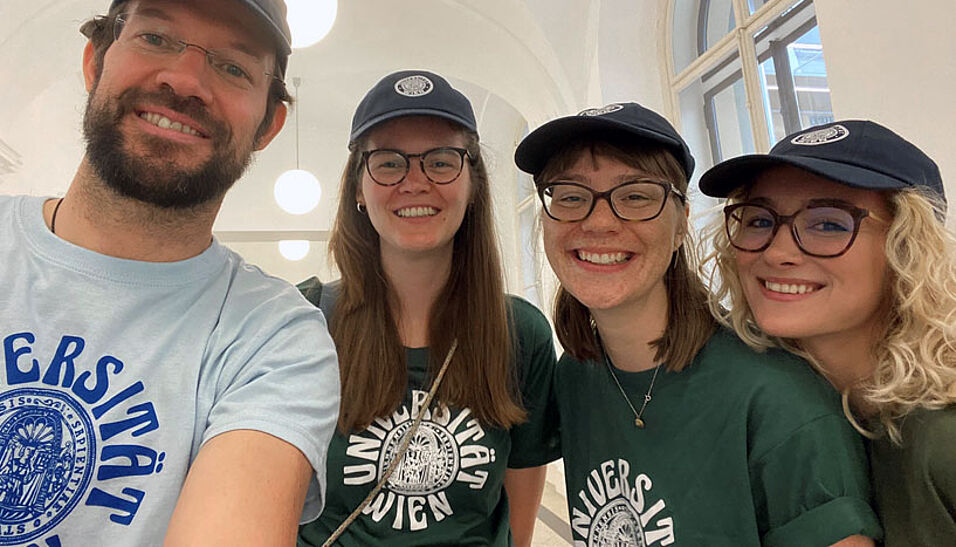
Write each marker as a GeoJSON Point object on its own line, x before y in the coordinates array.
{"type": "Point", "coordinates": [915, 483]}
{"type": "Point", "coordinates": [449, 490]}
{"type": "Point", "coordinates": [739, 449]}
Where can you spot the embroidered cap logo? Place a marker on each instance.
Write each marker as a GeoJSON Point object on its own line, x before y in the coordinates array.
{"type": "Point", "coordinates": [822, 136]}
{"type": "Point", "coordinates": [414, 86]}
{"type": "Point", "coordinates": [614, 107]}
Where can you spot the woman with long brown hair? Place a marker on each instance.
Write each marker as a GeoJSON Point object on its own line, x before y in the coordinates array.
{"type": "Point", "coordinates": [672, 430]}
{"type": "Point", "coordinates": [444, 429]}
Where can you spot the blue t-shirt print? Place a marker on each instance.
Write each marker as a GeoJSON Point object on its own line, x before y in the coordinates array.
{"type": "Point", "coordinates": [51, 415]}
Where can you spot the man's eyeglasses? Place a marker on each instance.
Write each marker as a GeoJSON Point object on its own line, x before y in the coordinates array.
{"type": "Point", "coordinates": [390, 167]}
{"type": "Point", "coordinates": [641, 199]}
{"type": "Point", "coordinates": [823, 229]}
{"type": "Point", "coordinates": [152, 36]}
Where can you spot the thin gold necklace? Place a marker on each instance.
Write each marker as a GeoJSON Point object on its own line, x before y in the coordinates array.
{"type": "Point", "coordinates": [638, 419]}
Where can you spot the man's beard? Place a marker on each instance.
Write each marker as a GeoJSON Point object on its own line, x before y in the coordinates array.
{"type": "Point", "coordinates": [153, 177]}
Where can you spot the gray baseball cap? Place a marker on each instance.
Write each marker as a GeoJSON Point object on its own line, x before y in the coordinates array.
{"type": "Point", "coordinates": [273, 14]}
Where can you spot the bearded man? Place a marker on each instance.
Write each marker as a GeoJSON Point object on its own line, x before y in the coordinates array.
{"type": "Point", "coordinates": [156, 388]}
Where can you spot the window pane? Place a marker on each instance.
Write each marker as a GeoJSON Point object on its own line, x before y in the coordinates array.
{"type": "Point", "coordinates": [796, 96]}
{"type": "Point", "coordinates": [718, 19]}
{"type": "Point", "coordinates": [755, 4]}
{"type": "Point", "coordinates": [810, 79]}
{"type": "Point", "coordinates": [732, 122]}
{"type": "Point", "coordinates": [685, 30]}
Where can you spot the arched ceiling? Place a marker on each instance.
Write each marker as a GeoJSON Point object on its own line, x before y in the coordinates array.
{"type": "Point", "coordinates": [521, 62]}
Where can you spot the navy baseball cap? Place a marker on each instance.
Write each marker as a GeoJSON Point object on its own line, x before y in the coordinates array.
{"type": "Point", "coordinates": [411, 93]}
{"type": "Point", "coordinates": [857, 153]}
{"type": "Point", "coordinates": [627, 119]}
{"type": "Point", "coordinates": [273, 14]}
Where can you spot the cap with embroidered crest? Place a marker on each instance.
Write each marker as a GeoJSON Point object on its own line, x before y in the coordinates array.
{"type": "Point", "coordinates": [411, 93]}
{"type": "Point", "coordinates": [857, 153]}
{"type": "Point", "coordinates": [628, 119]}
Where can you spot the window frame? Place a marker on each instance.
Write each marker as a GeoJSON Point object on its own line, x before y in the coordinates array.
{"type": "Point", "coordinates": [739, 45]}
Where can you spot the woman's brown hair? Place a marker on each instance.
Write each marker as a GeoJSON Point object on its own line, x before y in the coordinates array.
{"type": "Point", "coordinates": [471, 308]}
{"type": "Point", "coordinates": [689, 322]}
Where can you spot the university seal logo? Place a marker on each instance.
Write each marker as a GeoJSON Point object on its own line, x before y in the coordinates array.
{"type": "Point", "coordinates": [47, 447]}
{"type": "Point", "coordinates": [614, 107]}
{"type": "Point", "coordinates": [826, 135]}
{"type": "Point", "coordinates": [450, 450]}
{"type": "Point", "coordinates": [617, 525]}
{"type": "Point", "coordinates": [616, 507]}
{"type": "Point", "coordinates": [430, 463]}
{"type": "Point", "coordinates": [414, 86]}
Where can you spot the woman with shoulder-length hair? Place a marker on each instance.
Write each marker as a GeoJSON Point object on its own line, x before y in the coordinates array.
{"type": "Point", "coordinates": [445, 427]}
{"type": "Point", "coordinates": [833, 246]}
{"type": "Point", "coordinates": [672, 430]}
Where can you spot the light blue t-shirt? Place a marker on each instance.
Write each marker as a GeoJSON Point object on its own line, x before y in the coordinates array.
{"type": "Point", "coordinates": [115, 372]}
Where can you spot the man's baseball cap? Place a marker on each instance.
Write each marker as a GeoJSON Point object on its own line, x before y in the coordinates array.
{"type": "Point", "coordinates": [411, 93]}
{"type": "Point", "coordinates": [857, 153]}
{"type": "Point", "coordinates": [273, 14]}
{"type": "Point", "coordinates": [621, 119]}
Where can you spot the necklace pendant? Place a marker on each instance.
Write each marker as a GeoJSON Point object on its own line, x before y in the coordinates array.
{"type": "Point", "coordinates": [639, 422]}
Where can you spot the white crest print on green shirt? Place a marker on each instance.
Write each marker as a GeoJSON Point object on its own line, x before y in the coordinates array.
{"type": "Point", "coordinates": [445, 450]}
{"type": "Point", "coordinates": [616, 509]}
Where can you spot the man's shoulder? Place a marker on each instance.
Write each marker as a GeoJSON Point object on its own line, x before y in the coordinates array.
{"type": "Point", "coordinates": [11, 205]}
{"type": "Point", "coordinates": [253, 294]}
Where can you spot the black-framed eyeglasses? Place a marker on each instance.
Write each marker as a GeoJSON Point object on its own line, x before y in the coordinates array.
{"type": "Point", "coordinates": [389, 167]}
{"type": "Point", "coordinates": [823, 228]}
{"type": "Point", "coordinates": [152, 36]}
{"type": "Point", "coordinates": [641, 199]}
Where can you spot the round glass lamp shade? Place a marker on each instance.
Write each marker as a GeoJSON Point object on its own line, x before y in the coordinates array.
{"type": "Point", "coordinates": [310, 20]}
{"type": "Point", "coordinates": [294, 249]}
{"type": "Point", "coordinates": [297, 191]}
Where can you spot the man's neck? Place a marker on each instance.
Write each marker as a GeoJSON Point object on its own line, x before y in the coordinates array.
{"type": "Point", "coordinates": [95, 217]}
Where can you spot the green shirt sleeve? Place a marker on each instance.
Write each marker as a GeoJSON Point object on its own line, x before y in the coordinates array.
{"type": "Point", "coordinates": [534, 442]}
{"type": "Point", "coordinates": [812, 488]}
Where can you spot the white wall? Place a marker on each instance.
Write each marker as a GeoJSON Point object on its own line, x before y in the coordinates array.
{"type": "Point", "coordinates": [893, 62]}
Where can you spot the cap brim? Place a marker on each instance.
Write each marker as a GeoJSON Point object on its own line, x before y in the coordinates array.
{"type": "Point", "coordinates": [721, 180]}
{"type": "Point", "coordinates": [410, 112]}
{"type": "Point", "coordinates": [283, 41]}
{"type": "Point", "coordinates": [537, 148]}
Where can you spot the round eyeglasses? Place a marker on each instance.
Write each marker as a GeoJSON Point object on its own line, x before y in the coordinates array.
{"type": "Point", "coordinates": [389, 167]}
{"type": "Point", "coordinates": [824, 230]}
{"type": "Point", "coordinates": [152, 36]}
{"type": "Point", "coordinates": [641, 199]}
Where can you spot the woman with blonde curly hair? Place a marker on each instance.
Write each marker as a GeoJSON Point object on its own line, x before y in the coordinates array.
{"type": "Point", "coordinates": [862, 282]}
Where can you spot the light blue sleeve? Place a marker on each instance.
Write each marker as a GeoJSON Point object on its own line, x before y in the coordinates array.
{"type": "Point", "coordinates": [274, 370]}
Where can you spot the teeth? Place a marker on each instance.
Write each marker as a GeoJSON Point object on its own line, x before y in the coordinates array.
{"type": "Point", "coordinates": [411, 212]}
{"type": "Point", "coordinates": [788, 288]}
{"type": "Point", "coordinates": [603, 258]}
{"type": "Point", "coordinates": [164, 122]}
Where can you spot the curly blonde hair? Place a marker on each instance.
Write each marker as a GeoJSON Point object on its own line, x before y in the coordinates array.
{"type": "Point", "coordinates": [916, 351]}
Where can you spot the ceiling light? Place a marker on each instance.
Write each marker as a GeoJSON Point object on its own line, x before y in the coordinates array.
{"type": "Point", "coordinates": [297, 191]}
{"type": "Point", "coordinates": [310, 20]}
{"type": "Point", "coordinates": [294, 249]}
